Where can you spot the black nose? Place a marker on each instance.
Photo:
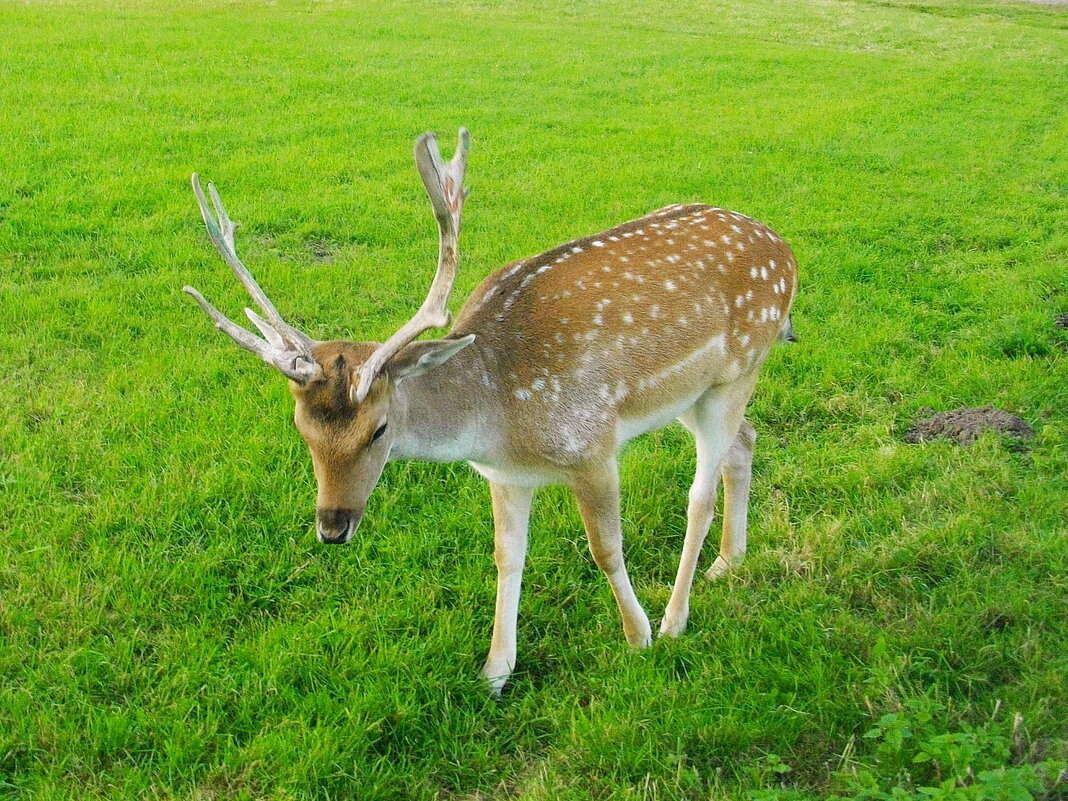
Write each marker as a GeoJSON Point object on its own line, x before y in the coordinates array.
{"type": "Point", "coordinates": [336, 526]}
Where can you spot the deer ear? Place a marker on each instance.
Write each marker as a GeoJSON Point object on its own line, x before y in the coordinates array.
{"type": "Point", "coordinates": [421, 357]}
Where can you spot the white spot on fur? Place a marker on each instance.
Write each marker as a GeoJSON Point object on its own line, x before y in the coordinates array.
{"type": "Point", "coordinates": [523, 394]}
{"type": "Point", "coordinates": [718, 342]}
{"type": "Point", "coordinates": [670, 286]}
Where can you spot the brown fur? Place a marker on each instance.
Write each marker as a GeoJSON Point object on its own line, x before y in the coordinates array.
{"type": "Point", "coordinates": [535, 324]}
{"type": "Point", "coordinates": [553, 362]}
{"type": "Point", "coordinates": [564, 366]}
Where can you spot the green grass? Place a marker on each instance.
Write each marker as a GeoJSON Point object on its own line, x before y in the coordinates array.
{"type": "Point", "coordinates": [170, 629]}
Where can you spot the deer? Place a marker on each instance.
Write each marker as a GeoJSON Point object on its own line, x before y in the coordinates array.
{"type": "Point", "coordinates": [553, 363]}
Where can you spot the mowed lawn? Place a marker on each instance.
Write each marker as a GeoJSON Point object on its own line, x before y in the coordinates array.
{"type": "Point", "coordinates": [171, 629]}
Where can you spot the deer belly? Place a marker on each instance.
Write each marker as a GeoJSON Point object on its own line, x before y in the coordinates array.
{"type": "Point", "coordinates": [520, 475]}
{"type": "Point", "coordinates": [634, 425]}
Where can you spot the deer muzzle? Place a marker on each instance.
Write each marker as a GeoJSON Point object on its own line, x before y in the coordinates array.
{"type": "Point", "coordinates": [336, 526]}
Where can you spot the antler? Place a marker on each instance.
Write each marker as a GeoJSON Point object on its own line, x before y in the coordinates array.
{"type": "Point", "coordinates": [283, 346]}
{"type": "Point", "coordinates": [444, 184]}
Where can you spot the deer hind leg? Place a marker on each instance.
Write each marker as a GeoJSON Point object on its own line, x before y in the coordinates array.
{"type": "Point", "coordinates": [511, 520]}
{"type": "Point", "coordinates": [717, 424]}
{"type": "Point", "coordinates": [597, 492]}
{"type": "Point", "coordinates": [737, 477]}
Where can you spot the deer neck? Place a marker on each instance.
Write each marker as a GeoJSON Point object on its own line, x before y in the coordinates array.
{"type": "Point", "coordinates": [447, 414]}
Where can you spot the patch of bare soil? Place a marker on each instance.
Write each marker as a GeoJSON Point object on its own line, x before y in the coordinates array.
{"type": "Point", "coordinates": [965, 425]}
{"type": "Point", "coordinates": [1061, 320]}
{"type": "Point", "coordinates": [321, 249]}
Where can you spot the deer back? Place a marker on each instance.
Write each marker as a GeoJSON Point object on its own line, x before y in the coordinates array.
{"type": "Point", "coordinates": [626, 323]}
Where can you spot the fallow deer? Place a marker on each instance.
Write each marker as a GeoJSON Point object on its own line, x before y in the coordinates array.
{"type": "Point", "coordinates": [554, 362]}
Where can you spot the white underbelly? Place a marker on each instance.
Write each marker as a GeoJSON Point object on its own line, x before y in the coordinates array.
{"type": "Point", "coordinates": [524, 476]}
{"type": "Point", "coordinates": [630, 427]}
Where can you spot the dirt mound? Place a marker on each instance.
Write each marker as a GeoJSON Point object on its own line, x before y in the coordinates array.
{"type": "Point", "coordinates": [965, 425]}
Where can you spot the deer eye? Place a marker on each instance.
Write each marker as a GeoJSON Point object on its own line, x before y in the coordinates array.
{"type": "Point", "coordinates": [378, 432]}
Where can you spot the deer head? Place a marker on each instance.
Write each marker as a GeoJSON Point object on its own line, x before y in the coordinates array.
{"type": "Point", "coordinates": [345, 392]}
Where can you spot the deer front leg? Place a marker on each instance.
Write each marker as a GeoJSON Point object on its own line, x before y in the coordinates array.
{"type": "Point", "coordinates": [699, 514]}
{"type": "Point", "coordinates": [712, 441]}
{"type": "Point", "coordinates": [723, 438]}
{"type": "Point", "coordinates": [737, 477]}
{"type": "Point", "coordinates": [511, 520]}
{"type": "Point", "coordinates": [597, 492]}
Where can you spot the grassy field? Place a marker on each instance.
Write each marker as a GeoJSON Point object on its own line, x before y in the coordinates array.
{"type": "Point", "coordinates": [170, 628]}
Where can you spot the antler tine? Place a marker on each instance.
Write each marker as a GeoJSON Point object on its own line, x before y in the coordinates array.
{"type": "Point", "coordinates": [238, 334]}
{"type": "Point", "coordinates": [221, 232]}
{"type": "Point", "coordinates": [283, 346]}
{"type": "Point", "coordinates": [444, 185]}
